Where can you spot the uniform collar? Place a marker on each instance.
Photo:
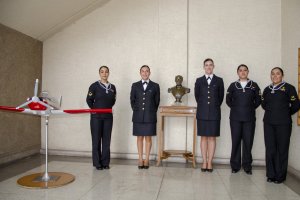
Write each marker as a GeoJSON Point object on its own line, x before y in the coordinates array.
{"type": "Point", "coordinates": [277, 87]}
{"type": "Point", "coordinates": [248, 82]}
{"type": "Point", "coordinates": [238, 84]}
{"type": "Point", "coordinates": [146, 81]}
{"type": "Point", "coordinates": [211, 76]}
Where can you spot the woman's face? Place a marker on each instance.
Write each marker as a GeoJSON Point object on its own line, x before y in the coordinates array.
{"type": "Point", "coordinates": [145, 73]}
{"type": "Point", "coordinates": [276, 76]}
{"type": "Point", "coordinates": [243, 73]}
{"type": "Point", "coordinates": [104, 73]}
{"type": "Point", "coordinates": [208, 67]}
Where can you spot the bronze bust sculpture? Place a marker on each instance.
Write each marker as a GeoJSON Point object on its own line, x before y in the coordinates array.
{"type": "Point", "coordinates": [178, 91]}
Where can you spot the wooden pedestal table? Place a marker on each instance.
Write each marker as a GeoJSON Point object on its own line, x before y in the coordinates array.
{"type": "Point", "coordinates": [175, 111]}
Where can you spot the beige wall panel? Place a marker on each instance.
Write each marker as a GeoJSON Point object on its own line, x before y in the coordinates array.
{"type": "Point", "coordinates": [20, 65]}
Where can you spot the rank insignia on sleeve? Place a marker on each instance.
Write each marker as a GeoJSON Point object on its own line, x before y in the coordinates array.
{"type": "Point", "coordinates": [90, 93]}
{"type": "Point", "coordinates": [293, 98]}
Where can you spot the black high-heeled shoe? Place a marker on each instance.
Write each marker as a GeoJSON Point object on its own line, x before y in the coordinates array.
{"type": "Point", "coordinates": [146, 166]}
{"type": "Point", "coordinates": [210, 170]}
{"type": "Point", "coordinates": [204, 169]}
{"type": "Point", "coordinates": [141, 167]}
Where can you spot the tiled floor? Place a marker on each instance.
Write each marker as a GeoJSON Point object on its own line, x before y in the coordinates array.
{"type": "Point", "coordinates": [125, 181]}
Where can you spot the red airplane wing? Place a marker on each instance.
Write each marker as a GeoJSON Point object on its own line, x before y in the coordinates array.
{"type": "Point", "coordinates": [43, 112]}
{"type": "Point", "coordinates": [14, 109]}
{"type": "Point", "coordinates": [79, 111]}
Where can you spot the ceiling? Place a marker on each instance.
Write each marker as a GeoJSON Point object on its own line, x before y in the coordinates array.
{"type": "Point", "coordinates": [41, 19]}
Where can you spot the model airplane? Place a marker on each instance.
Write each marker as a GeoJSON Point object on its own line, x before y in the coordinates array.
{"type": "Point", "coordinates": [45, 106]}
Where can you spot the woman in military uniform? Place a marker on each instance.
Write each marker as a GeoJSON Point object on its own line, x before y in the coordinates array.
{"type": "Point", "coordinates": [101, 94]}
{"type": "Point", "coordinates": [280, 101]}
{"type": "Point", "coordinates": [243, 97]}
{"type": "Point", "coordinates": [144, 99]}
{"type": "Point", "coordinates": [209, 94]}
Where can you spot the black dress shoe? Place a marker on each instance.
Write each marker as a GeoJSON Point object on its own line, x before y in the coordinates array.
{"type": "Point", "coordinates": [106, 167]}
{"type": "Point", "coordinates": [278, 181]}
{"type": "Point", "coordinates": [146, 166]}
{"type": "Point", "coordinates": [99, 168]}
{"type": "Point", "coordinates": [141, 167]}
{"type": "Point", "coordinates": [270, 180]}
{"type": "Point", "coordinates": [203, 169]}
{"type": "Point", "coordinates": [249, 172]}
{"type": "Point", "coordinates": [234, 171]}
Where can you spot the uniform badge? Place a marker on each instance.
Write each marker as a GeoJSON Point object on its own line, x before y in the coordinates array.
{"type": "Point", "coordinates": [283, 88]}
{"type": "Point", "coordinates": [90, 93]}
{"type": "Point", "coordinates": [293, 98]}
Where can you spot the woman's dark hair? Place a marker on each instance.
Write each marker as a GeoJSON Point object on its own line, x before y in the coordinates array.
{"type": "Point", "coordinates": [103, 67]}
{"type": "Point", "coordinates": [144, 66]}
{"type": "Point", "coordinates": [278, 69]}
{"type": "Point", "coordinates": [208, 59]}
{"type": "Point", "coordinates": [242, 65]}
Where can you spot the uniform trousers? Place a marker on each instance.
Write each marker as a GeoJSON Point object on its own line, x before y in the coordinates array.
{"type": "Point", "coordinates": [277, 142]}
{"type": "Point", "coordinates": [242, 134]}
{"type": "Point", "coordinates": [101, 136]}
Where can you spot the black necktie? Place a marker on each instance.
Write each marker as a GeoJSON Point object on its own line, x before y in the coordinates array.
{"type": "Point", "coordinates": [208, 78]}
{"type": "Point", "coordinates": [145, 83]}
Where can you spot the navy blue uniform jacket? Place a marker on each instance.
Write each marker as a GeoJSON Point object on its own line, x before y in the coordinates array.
{"type": "Point", "coordinates": [98, 98]}
{"type": "Point", "coordinates": [144, 103]}
{"type": "Point", "coordinates": [243, 103]}
{"type": "Point", "coordinates": [280, 105]}
{"type": "Point", "coordinates": [209, 98]}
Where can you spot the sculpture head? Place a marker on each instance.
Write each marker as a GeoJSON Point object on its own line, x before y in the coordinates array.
{"type": "Point", "coordinates": [178, 79]}
{"type": "Point", "coordinates": [178, 91]}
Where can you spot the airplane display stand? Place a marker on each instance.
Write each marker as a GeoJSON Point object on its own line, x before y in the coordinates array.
{"type": "Point", "coordinates": [47, 179]}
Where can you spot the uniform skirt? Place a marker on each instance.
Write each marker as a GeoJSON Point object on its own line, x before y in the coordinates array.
{"type": "Point", "coordinates": [208, 128]}
{"type": "Point", "coordinates": [144, 129]}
